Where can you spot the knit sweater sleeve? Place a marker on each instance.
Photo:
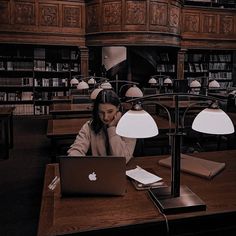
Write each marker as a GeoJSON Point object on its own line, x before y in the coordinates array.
{"type": "Point", "coordinates": [82, 142]}
{"type": "Point", "coordinates": [120, 146]}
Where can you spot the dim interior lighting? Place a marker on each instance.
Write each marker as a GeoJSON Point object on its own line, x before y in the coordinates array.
{"type": "Point", "coordinates": [82, 85]}
{"type": "Point", "coordinates": [213, 121]}
{"type": "Point", "coordinates": [92, 81]}
{"type": "Point", "coordinates": [152, 81]}
{"type": "Point", "coordinates": [74, 82]}
{"type": "Point", "coordinates": [95, 92]}
{"type": "Point", "coordinates": [129, 124]}
{"type": "Point", "coordinates": [167, 81]}
{"type": "Point", "coordinates": [106, 85]}
{"type": "Point", "coordinates": [214, 84]}
{"type": "Point", "coordinates": [134, 92]}
{"type": "Point", "coordinates": [195, 84]}
{"type": "Point", "coordinates": [137, 123]}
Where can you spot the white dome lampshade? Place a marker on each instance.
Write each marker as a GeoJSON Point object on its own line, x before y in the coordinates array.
{"type": "Point", "coordinates": [134, 92]}
{"type": "Point", "coordinates": [152, 81]}
{"type": "Point", "coordinates": [167, 81]}
{"type": "Point", "coordinates": [74, 82]}
{"type": "Point", "coordinates": [213, 121]}
{"type": "Point", "coordinates": [214, 84]}
{"type": "Point", "coordinates": [137, 124]}
{"type": "Point", "coordinates": [82, 85]}
{"type": "Point", "coordinates": [106, 85]}
{"type": "Point", "coordinates": [95, 92]}
{"type": "Point", "coordinates": [195, 84]}
{"type": "Point", "coordinates": [92, 81]}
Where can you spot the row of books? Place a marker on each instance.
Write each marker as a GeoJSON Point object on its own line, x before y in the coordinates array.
{"type": "Point", "coordinates": [21, 109]}
{"type": "Point", "coordinates": [51, 82]}
{"type": "Point", "coordinates": [29, 81]}
{"type": "Point", "coordinates": [165, 68]}
{"type": "Point", "coordinates": [221, 75]}
{"type": "Point", "coordinates": [38, 65]}
{"type": "Point", "coordinates": [41, 65]}
{"type": "Point", "coordinates": [17, 96]}
{"type": "Point", "coordinates": [200, 57]}
{"type": "Point", "coordinates": [204, 67]}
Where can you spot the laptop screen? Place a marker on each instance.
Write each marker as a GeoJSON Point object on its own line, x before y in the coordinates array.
{"type": "Point", "coordinates": [92, 175]}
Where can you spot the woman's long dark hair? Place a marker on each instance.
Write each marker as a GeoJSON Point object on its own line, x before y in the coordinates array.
{"type": "Point", "coordinates": [104, 96]}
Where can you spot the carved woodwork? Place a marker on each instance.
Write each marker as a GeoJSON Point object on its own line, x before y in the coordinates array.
{"type": "Point", "coordinates": [126, 22]}
{"type": "Point", "coordinates": [208, 28]}
{"type": "Point", "coordinates": [42, 22]}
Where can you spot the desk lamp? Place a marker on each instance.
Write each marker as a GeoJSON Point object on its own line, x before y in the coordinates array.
{"type": "Point", "coordinates": [74, 82]}
{"type": "Point", "coordinates": [152, 81]}
{"type": "Point", "coordinates": [195, 87]}
{"type": "Point", "coordinates": [137, 123]}
{"type": "Point", "coordinates": [82, 85]}
{"type": "Point", "coordinates": [92, 81]}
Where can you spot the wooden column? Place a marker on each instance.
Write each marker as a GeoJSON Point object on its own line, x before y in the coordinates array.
{"type": "Point", "coordinates": [84, 62]}
{"type": "Point", "coordinates": [180, 63]}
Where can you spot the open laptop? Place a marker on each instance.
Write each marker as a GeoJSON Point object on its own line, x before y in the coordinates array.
{"type": "Point", "coordinates": [92, 175]}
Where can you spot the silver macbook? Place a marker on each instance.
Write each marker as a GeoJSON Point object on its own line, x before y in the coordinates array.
{"type": "Point", "coordinates": [92, 175]}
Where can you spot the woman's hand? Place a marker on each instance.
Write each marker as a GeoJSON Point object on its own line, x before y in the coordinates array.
{"type": "Point", "coordinates": [115, 119]}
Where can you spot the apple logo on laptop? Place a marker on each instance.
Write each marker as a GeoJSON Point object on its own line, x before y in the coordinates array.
{"type": "Point", "coordinates": [92, 176]}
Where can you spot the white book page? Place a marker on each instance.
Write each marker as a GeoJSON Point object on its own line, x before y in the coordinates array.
{"type": "Point", "coordinates": [142, 176]}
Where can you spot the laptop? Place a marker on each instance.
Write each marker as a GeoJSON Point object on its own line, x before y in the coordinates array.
{"type": "Point", "coordinates": [92, 175]}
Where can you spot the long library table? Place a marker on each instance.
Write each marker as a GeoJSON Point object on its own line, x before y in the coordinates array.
{"type": "Point", "coordinates": [63, 110]}
{"type": "Point", "coordinates": [134, 213]}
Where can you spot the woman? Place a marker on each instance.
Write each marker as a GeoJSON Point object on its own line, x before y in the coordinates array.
{"type": "Point", "coordinates": [99, 134]}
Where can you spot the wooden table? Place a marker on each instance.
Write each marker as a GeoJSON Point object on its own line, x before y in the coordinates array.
{"type": "Point", "coordinates": [135, 213]}
{"type": "Point", "coordinates": [61, 99]}
{"type": "Point", "coordinates": [6, 120]}
{"type": "Point", "coordinates": [62, 110]}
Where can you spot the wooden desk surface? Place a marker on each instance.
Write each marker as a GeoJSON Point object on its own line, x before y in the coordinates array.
{"type": "Point", "coordinates": [65, 127]}
{"type": "Point", "coordinates": [135, 212]}
{"type": "Point", "coordinates": [67, 108]}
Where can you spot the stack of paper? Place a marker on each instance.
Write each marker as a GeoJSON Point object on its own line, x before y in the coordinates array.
{"type": "Point", "coordinates": [142, 176]}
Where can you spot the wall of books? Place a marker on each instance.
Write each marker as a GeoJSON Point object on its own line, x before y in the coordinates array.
{"type": "Point", "coordinates": [31, 75]}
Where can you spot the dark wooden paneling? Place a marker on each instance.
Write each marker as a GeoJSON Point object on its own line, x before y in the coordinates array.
{"type": "Point", "coordinates": [208, 28]}
{"type": "Point", "coordinates": [133, 22]}
{"type": "Point", "coordinates": [40, 21]}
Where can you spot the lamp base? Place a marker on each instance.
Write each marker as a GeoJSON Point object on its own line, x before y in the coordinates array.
{"type": "Point", "coordinates": [186, 202]}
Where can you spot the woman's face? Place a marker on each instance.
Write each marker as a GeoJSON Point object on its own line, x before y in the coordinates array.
{"type": "Point", "coordinates": [107, 112]}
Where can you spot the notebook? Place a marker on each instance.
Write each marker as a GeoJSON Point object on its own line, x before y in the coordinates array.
{"type": "Point", "coordinates": [92, 175]}
{"type": "Point", "coordinates": [196, 166]}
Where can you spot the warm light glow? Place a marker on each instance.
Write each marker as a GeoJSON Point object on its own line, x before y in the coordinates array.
{"type": "Point", "coordinates": [137, 124]}
{"type": "Point", "coordinates": [74, 82]}
{"type": "Point", "coordinates": [106, 85]}
{"type": "Point", "coordinates": [92, 81]}
{"type": "Point", "coordinates": [195, 84]}
{"type": "Point", "coordinates": [213, 121]}
{"type": "Point", "coordinates": [95, 92]}
{"type": "Point", "coordinates": [134, 92]}
{"type": "Point", "coordinates": [167, 81]}
{"type": "Point", "coordinates": [82, 85]}
{"type": "Point", "coordinates": [214, 84]}
{"type": "Point", "coordinates": [152, 81]}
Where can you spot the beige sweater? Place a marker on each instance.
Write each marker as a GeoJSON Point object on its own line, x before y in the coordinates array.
{"type": "Point", "coordinates": [86, 138]}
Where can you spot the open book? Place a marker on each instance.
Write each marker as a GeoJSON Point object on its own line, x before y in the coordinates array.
{"type": "Point", "coordinates": [196, 166]}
